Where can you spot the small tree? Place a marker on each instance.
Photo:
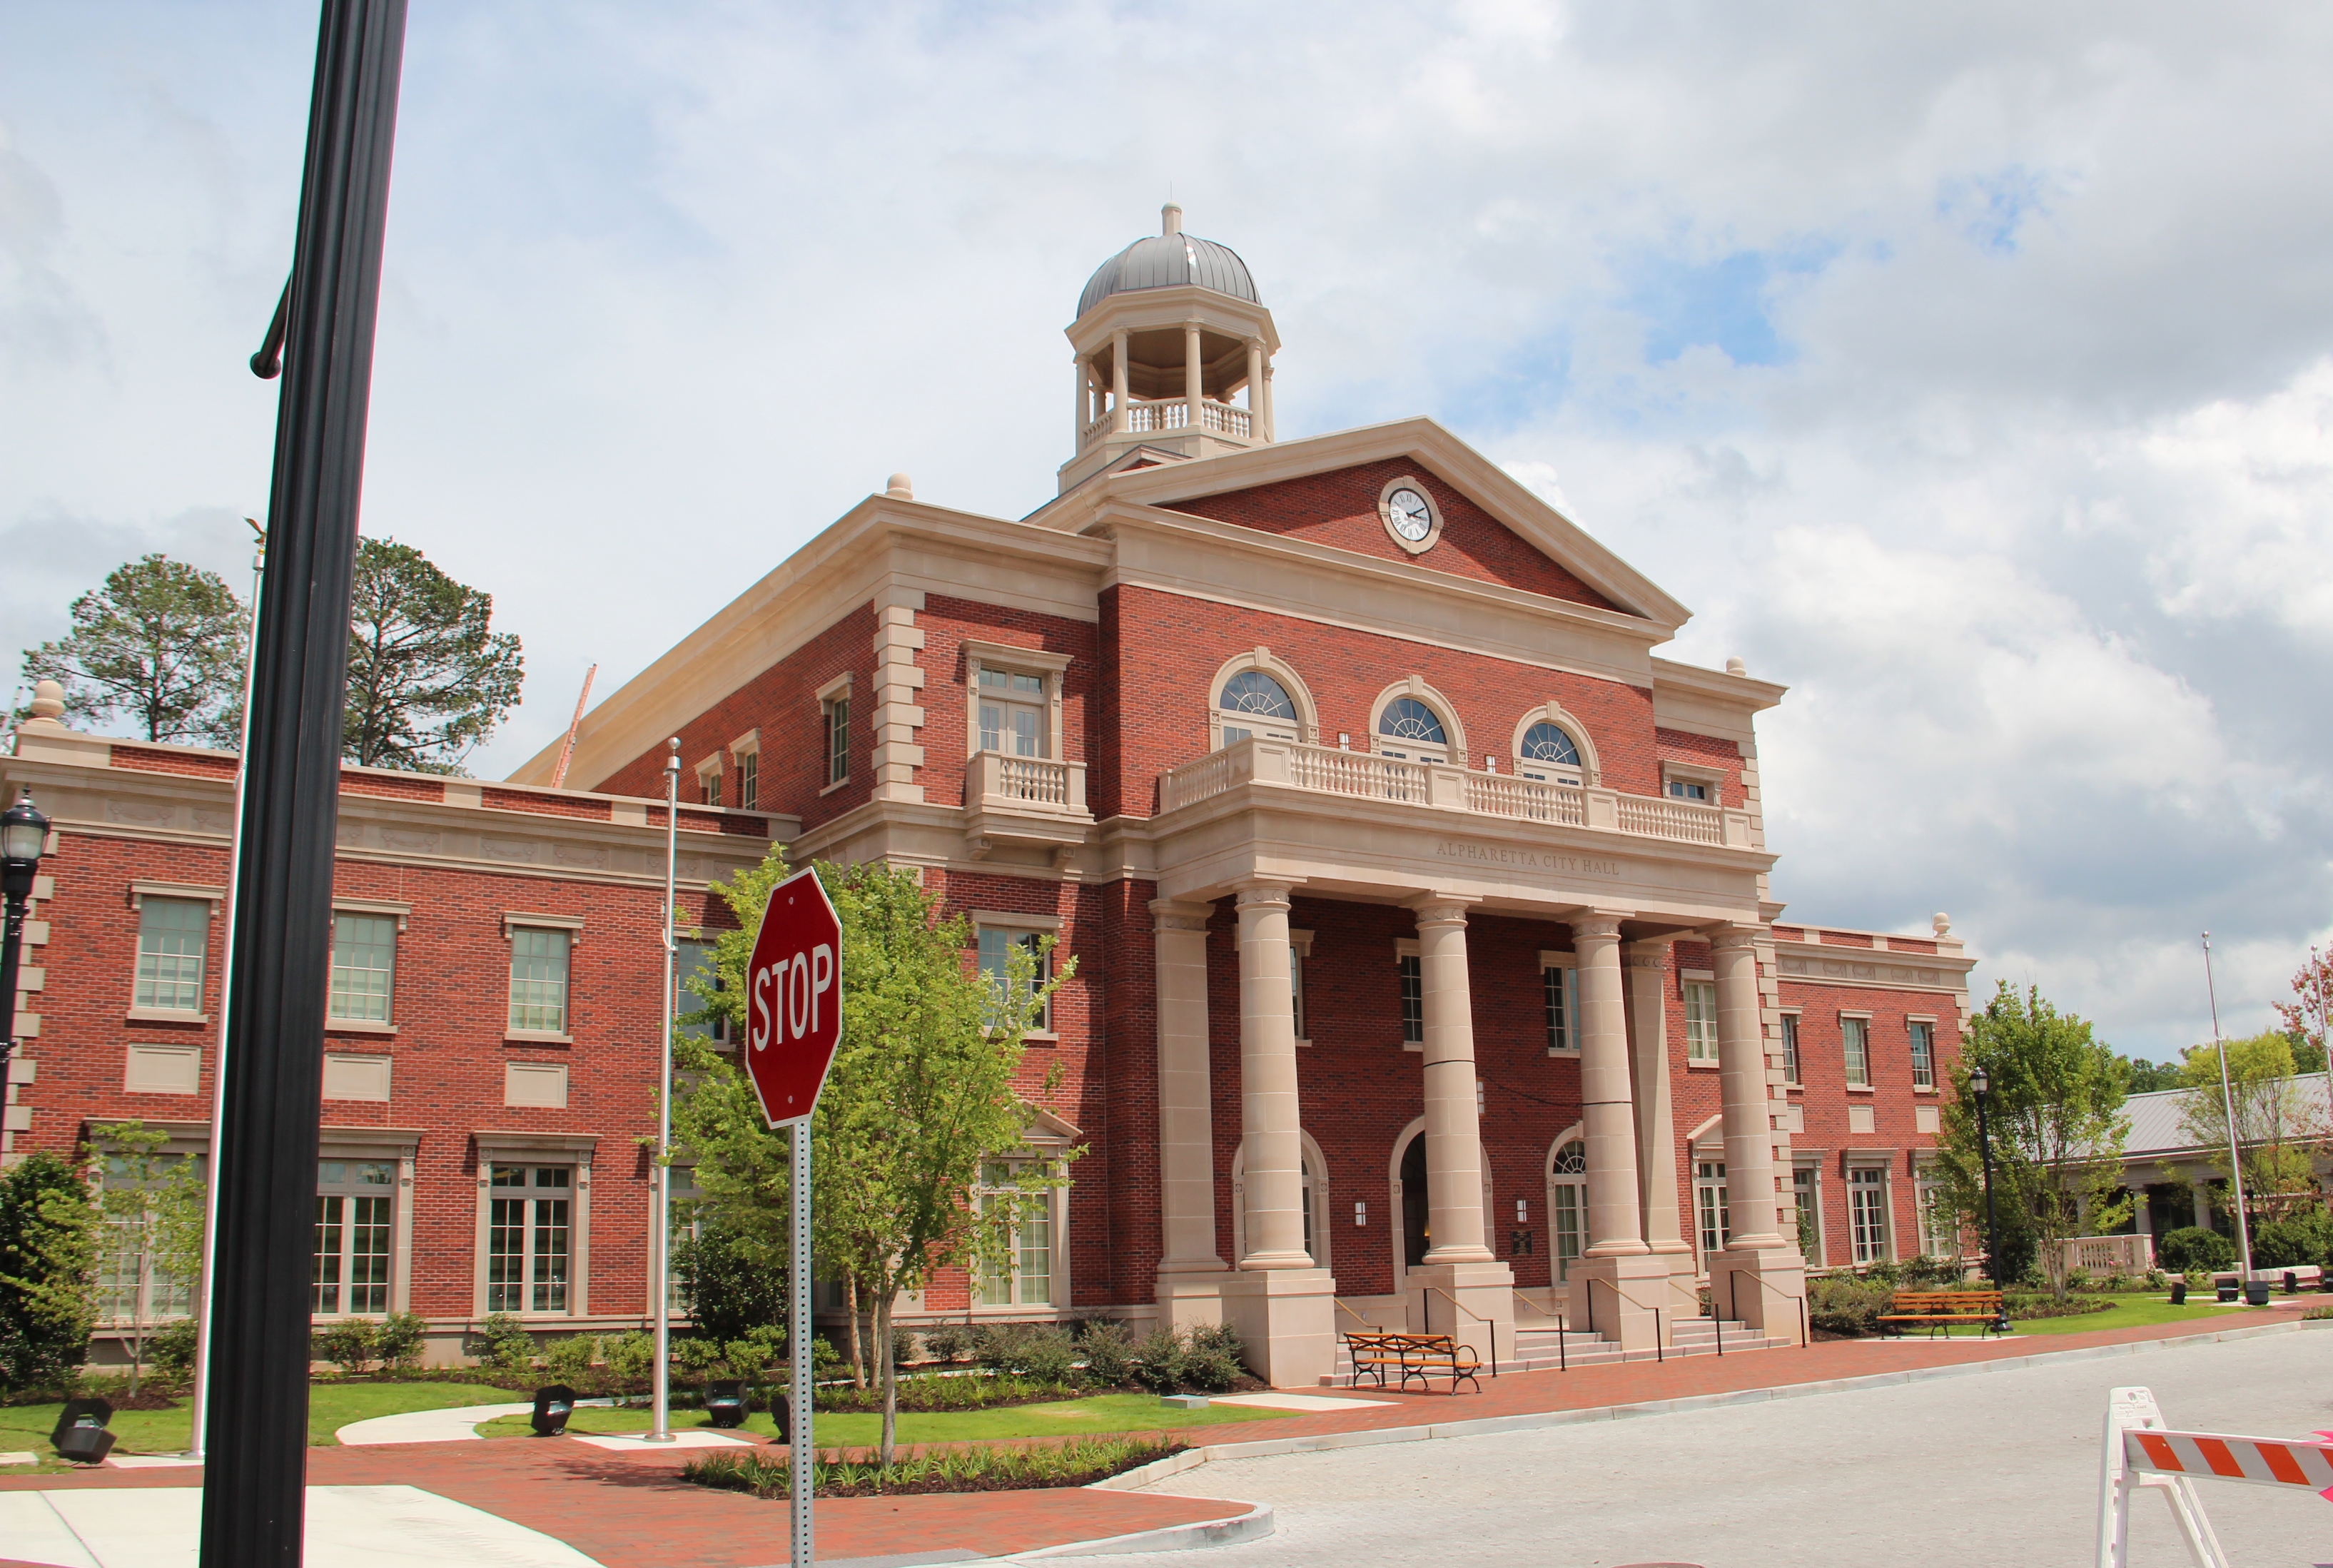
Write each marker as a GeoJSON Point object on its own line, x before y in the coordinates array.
{"type": "Point", "coordinates": [161, 644]}
{"type": "Point", "coordinates": [48, 1273]}
{"type": "Point", "coordinates": [152, 1207]}
{"type": "Point", "coordinates": [2057, 1123]}
{"type": "Point", "coordinates": [923, 1094]}
{"type": "Point", "coordinates": [429, 681]}
{"type": "Point", "coordinates": [2278, 1130]}
{"type": "Point", "coordinates": [2307, 1015]}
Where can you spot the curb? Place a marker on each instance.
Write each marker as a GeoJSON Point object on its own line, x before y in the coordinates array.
{"type": "Point", "coordinates": [1192, 1458]}
{"type": "Point", "coordinates": [1253, 1525]}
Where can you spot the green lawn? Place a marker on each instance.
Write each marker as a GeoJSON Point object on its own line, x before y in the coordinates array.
{"type": "Point", "coordinates": [330, 1407]}
{"type": "Point", "coordinates": [1061, 1418]}
{"type": "Point", "coordinates": [2129, 1311]}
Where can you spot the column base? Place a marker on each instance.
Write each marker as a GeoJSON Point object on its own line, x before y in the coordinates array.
{"type": "Point", "coordinates": [1192, 1300]}
{"type": "Point", "coordinates": [1684, 1281]}
{"type": "Point", "coordinates": [1764, 1288]}
{"type": "Point", "coordinates": [1615, 1296]}
{"type": "Point", "coordinates": [1286, 1319]}
{"type": "Point", "coordinates": [1473, 1303]}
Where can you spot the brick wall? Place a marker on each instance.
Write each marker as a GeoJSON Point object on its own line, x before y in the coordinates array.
{"type": "Point", "coordinates": [947, 624]}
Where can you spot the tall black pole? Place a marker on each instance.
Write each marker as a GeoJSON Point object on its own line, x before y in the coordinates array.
{"type": "Point", "coordinates": [1991, 1221]}
{"type": "Point", "coordinates": [256, 1441]}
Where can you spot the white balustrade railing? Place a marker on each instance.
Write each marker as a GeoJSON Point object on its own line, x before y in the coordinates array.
{"type": "Point", "coordinates": [1357, 774]}
{"type": "Point", "coordinates": [1032, 783]}
{"type": "Point", "coordinates": [1148, 417]}
{"type": "Point", "coordinates": [1657, 817]}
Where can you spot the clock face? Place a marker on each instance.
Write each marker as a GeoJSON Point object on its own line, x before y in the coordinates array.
{"type": "Point", "coordinates": [1407, 513]}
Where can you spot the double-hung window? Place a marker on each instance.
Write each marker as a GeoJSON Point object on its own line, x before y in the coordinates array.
{"type": "Point", "coordinates": [1940, 1229]}
{"type": "Point", "coordinates": [1023, 1275]}
{"type": "Point", "coordinates": [529, 1239]}
{"type": "Point", "coordinates": [354, 1214]}
{"type": "Point", "coordinates": [1299, 948]}
{"type": "Point", "coordinates": [834, 736]}
{"type": "Point", "coordinates": [1923, 1055]}
{"type": "Point", "coordinates": [1855, 1049]}
{"type": "Point", "coordinates": [538, 988]}
{"type": "Point", "coordinates": [1710, 1201]}
{"type": "Point", "coordinates": [1867, 1209]}
{"type": "Point", "coordinates": [694, 961]}
{"type": "Point", "coordinates": [1560, 998]}
{"type": "Point", "coordinates": [998, 944]}
{"type": "Point", "coordinates": [1790, 1048]}
{"type": "Point", "coordinates": [1805, 1190]}
{"type": "Point", "coordinates": [364, 966]}
{"type": "Point", "coordinates": [749, 778]}
{"type": "Point", "coordinates": [1701, 1021]}
{"type": "Point", "coordinates": [132, 1283]}
{"type": "Point", "coordinates": [173, 936]}
{"type": "Point", "coordinates": [1413, 998]}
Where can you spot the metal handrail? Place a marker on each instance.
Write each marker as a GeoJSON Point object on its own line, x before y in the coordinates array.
{"type": "Point", "coordinates": [1562, 1327]}
{"type": "Point", "coordinates": [1659, 1333]}
{"type": "Point", "coordinates": [1733, 1291]}
{"type": "Point", "coordinates": [1492, 1323]}
{"type": "Point", "coordinates": [1338, 1301]}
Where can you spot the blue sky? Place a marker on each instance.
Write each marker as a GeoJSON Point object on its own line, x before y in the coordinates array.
{"type": "Point", "coordinates": [1966, 369]}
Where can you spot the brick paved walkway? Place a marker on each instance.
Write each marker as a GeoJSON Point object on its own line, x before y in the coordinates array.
{"type": "Point", "coordinates": [634, 1512]}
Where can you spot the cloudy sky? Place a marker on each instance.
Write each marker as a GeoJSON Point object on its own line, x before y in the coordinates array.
{"type": "Point", "coordinates": [1967, 368]}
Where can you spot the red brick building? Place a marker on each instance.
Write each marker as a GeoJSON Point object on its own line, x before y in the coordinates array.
{"type": "Point", "coordinates": [1427, 969]}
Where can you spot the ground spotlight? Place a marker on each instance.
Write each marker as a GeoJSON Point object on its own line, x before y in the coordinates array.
{"type": "Point", "coordinates": [552, 1406]}
{"type": "Point", "coordinates": [80, 1434]}
{"type": "Point", "coordinates": [724, 1403]}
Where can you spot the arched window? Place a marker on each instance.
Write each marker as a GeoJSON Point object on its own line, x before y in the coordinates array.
{"type": "Point", "coordinates": [1409, 729]}
{"type": "Point", "coordinates": [1567, 1206]}
{"type": "Point", "coordinates": [1548, 754]}
{"type": "Point", "coordinates": [1252, 703]}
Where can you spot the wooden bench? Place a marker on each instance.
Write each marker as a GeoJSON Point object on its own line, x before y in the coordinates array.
{"type": "Point", "coordinates": [1419, 1356]}
{"type": "Point", "coordinates": [1940, 1309]}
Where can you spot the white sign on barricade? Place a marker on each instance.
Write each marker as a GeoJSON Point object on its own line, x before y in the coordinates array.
{"type": "Point", "coordinates": [2140, 1451]}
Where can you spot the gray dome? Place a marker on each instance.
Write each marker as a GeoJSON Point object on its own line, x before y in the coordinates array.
{"type": "Point", "coordinates": [1166, 261]}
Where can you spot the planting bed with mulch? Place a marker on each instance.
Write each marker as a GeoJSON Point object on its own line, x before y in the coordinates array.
{"type": "Point", "coordinates": [1080, 1462]}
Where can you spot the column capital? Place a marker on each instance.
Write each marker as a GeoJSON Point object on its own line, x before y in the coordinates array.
{"type": "Point", "coordinates": [1646, 953]}
{"type": "Point", "coordinates": [1441, 909]}
{"type": "Point", "coordinates": [1179, 915]}
{"type": "Point", "coordinates": [1732, 934]}
{"type": "Point", "coordinates": [1265, 892]}
{"type": "Point", "coordinates": [1605, 923]}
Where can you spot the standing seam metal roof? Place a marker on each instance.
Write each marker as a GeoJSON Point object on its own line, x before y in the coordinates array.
{"type": "Point", "coordinates": [1166, 261]}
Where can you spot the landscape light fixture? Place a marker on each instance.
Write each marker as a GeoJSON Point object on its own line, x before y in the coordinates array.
{"type": "Point", "coordinates": [24, 835]}
{"type": "Point", "coordinates": [1980, 1085]}
{"type": "Point", "coordinates": [552, 1406]}
{"type": "Point", "coordinates": [80, 1434]}
{"type": "Point", "coordinates": [724, 1403]}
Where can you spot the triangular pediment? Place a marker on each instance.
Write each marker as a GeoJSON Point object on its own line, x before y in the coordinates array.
{"type": "Point", "coordinates": [1326, 490]}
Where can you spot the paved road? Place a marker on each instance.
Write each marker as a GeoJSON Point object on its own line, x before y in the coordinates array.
{"type": "Point", "coordinates": [1999, 1468]}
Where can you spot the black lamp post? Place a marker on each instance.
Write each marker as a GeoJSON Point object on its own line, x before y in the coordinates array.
{"type": "Point", "coordinates": [24, 835]}
{"type": "Point", "coordinates": [1981, 1084]}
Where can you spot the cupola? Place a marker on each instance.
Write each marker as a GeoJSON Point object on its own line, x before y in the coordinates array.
{"type": "Point", "coordinates": [1169, 333]}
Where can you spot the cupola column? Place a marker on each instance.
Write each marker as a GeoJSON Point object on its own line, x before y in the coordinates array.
{"type": "Point", "coordinates": [1267, 400]}
{"type": "Point", "coordinates": [1118, 416]}
{"type": "Point", "coordinates": [1255, 388]}
{"type": "Point", "coordinates": [1192, 395]}
{"type": "Point", "coordinates": [1085, 398]}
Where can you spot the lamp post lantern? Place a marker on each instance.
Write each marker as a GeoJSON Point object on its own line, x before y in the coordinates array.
{"type": "Point", "coordinates": [1980, 1085]}
{"type": "Point", "coordinates": [24, 836]}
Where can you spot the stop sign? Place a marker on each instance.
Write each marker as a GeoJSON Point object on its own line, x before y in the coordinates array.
{"type": "Point", "coordinates": [793, 999]}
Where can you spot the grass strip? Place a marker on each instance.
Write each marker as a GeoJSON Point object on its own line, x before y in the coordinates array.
{"type": "Point", "coordinates": [1077, 1463]}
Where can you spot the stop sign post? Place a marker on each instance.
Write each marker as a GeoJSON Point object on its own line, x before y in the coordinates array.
{"type": "Point", "coordinates": [793, 1021]}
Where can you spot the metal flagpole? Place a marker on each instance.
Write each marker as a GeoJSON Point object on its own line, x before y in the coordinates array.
{"type": "Point", "coordinates": [660, 1226]}
{"type": "Point", "coordinates": [804, 1451]}
{"type": "Point", "coordinates": [2228, 1100]}
{"type": "Point", "coordinates": [201, 1392]}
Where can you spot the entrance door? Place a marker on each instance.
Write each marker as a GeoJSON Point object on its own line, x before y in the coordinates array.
{"type": "Point", "coordinates": [1415, 1237]}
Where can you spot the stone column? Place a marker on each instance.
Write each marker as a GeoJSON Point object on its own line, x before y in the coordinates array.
{"type": "Point", "coordinates": [1461, 1289]}
{"type": "Point", "coordinates": [2201, 1191]}
{"type": "Point", "coordinates": [1118, 413]}
{"type": "Point", "coordinates": [1187, 1154]}
{"type": "Point", "coordinates": [1758, 1276]}
{"type": "Point", "coordinates": [1281, 1305]}
{"type": "Point", "coordinates": [1255, 389]}
{"type": "Point", "coordinates": [1274, 1175]}
{"type": "Point", "coordinates": [1192, 395]}
{"type": "Point", "coordinates": [1647, 975]}
{"type": "Point", "coordinates": [1085, 402]}
{"type": "Point", "coordinates": [1620, 1283]}
{"type": "Point", "coordinates": [1268, 426]}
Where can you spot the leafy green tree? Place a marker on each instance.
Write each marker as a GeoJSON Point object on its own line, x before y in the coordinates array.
{"type": "Point", "coordinates": [2149, 1077]}
{"type": "Point", "coordinates": [161, 644]}
{"type": "Point", "coordinates": [925, 1092]}
{"type": "Point", "coordinates": [428, 680]}
{"type": "Point", "coordinates": [731, 1291]}
{"type": "Point", "coordinates": [2279, 1128]}
{"type": "Point", "coordinates": [48, 1273]}
{"type": "Point", "coordinates": [2057, 1123]}
{"type": "Point", "coordinates": [2307, 1015]}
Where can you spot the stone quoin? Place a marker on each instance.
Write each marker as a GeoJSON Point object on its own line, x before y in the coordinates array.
{"type": "Point", "coordinates": [1429, 971]}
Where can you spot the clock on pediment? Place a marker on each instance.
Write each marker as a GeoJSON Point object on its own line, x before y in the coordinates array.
{"type": "Point", "coordinates": [1411, 518]}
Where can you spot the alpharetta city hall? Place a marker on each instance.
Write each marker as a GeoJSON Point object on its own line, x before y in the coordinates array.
{"type": "Point", "coordinates": [1430, 970]}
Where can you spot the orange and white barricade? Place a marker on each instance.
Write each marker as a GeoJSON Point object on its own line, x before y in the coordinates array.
{"type": "Point", "coordinates": [2140, 1451]}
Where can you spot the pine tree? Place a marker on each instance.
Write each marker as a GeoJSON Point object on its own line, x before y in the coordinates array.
{"type": "Point", "coordinates": [161, 644]}
{"type": "Point", "coordinates": [429, 679]}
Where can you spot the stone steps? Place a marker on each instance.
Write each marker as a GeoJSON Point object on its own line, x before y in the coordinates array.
{"type": "Point", "coordinates": [1536, 1350]}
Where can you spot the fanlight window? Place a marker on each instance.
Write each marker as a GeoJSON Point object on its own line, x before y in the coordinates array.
{"type": "Point", "coordinates": [1548, 753]}
{"type": "Point", "coordinates": [1407, 719]}
{"type": "Point", "coordinates": [1257, 702]}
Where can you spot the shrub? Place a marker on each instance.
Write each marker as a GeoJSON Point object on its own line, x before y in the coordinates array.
{"type": "Point", "coordinates": [970, 1469]}
{"type": "Point", "coordinates": [1107, 1347]}
{"type": "Point", "coordinates": [630, 1357]}
{"type": "Point", "coordinates": [1842, 1304]}
{"type": "Point", "coordinates": [403, 1337]}
{"type": "Point", "coordinates": [2317, 1312]}
{"type": "Point", "coordinates": [504, 1343]}
{"type": "Point", "coordinates": [1037, 1351]}
{"type": "Point", "coordinates": [749, 1357]}
{"type": "Point", "coordinates": [1925, 1273]}
{"type": "Point", "coordinates": [696, 1358]}
{"type": "Point", "coordinates": [949, 1393]}
{"type": "Point", "coordinates": [48, 1256]}
{"type": "Point", "coordinates": [729, 1294]}
{"type": "Point", "coordinates": [947, 1341]}
{"type": "Point", "coordinates": [172, 1348]}
{"type": "Point", "coordinates": [569, 1361]}
{"type": "Point", "coordinates": [2289, 1243]}
{"type": "Point", "coordinates": [903, 1345]}
{"type": "Point", "coordinates": [350, 1346]}
{"type": "Point", "coordinates": [2194, 1248]}
{"type": "Point", "coordinates": [1158, 1361]}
